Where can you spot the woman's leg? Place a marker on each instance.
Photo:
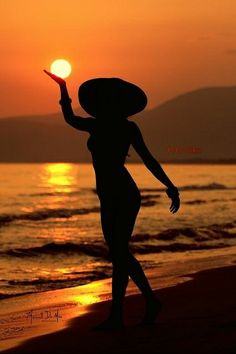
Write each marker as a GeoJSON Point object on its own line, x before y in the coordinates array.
{"type": "Point", "coordinates": [139, 278]}
{"type": "Point", "coordinates": [120, 278]}
{"type": "Point", "coordinates": [116, 236]}
{"type": "Point", "coordinates": [153, 305]}
{"type": "Point", "coordinates": [117, 228]}
{"type": "Point", "coordinates": [135, 271]}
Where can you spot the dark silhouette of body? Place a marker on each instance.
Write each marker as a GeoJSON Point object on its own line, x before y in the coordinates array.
{"type": "Point", "coordinates": [111, 101]}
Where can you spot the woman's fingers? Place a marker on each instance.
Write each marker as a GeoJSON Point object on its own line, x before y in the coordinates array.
{"type": "Point", "coordinates": [173, 194]}
{"type": "Point", "coordinates": [175, 205]}
{"type": "Point", "coordinates": [49, 74]}
{"type": "Point", "coordinates": [56, 78]}
{"type": "Point", "coordinates": [172, 208]}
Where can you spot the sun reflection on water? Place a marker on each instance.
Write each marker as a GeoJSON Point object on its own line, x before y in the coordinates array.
{"type": "Point", "coordinates": [59, 176]}
{"type": "Point", "coordinates": [92, 293]}
{"type": "Point", "coordinates": [87, 299]}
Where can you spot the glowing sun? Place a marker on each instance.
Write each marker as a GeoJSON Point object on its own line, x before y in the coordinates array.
{"type": "Point", "coordinates": [61, 68]}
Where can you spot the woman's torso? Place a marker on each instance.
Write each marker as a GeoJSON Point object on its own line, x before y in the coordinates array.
{"type": "Point", "coordinates": [109, 145]}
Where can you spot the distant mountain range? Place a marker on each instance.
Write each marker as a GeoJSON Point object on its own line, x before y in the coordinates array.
{"type": "Point", "coordinates": [198, 126]}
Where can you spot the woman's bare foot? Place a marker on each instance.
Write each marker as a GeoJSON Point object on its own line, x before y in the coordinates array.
{"type": "Point", "coordinates": [152, 310]}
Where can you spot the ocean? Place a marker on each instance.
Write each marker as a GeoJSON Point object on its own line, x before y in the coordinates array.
{"type": "Point", "coordinates": [50, 227]}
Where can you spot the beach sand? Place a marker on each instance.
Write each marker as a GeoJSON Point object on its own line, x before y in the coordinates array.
{"type": "Point", "coordinates": [198, 316]}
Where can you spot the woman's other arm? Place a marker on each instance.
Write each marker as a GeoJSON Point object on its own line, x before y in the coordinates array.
{"type": "Point", "coordinates": [148, 159]}
{"type": "Point", "coordinates": [153, 165]}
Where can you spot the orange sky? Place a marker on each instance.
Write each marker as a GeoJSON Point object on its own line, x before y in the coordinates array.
{"type": "Point", "coordinates": [165, 46]}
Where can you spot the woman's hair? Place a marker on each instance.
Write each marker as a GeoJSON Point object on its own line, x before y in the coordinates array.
{"type": "Point", "coordinates": [101, 97]}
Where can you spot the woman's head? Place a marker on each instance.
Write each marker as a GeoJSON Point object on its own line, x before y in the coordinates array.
{"type": "Point", "coordinates": [111, 97]}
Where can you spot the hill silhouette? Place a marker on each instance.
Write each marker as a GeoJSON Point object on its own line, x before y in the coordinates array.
{"type": "Point", "coordinates": [204, 118]}
{"type": "Point", "coordinates": [196, 126]}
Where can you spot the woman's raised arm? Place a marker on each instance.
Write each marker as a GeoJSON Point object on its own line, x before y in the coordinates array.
{"type": "Point", "coordinates": [84, 124]}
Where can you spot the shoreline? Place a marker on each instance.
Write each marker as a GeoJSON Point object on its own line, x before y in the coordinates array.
{"type": "Point", "coordinates": [171, 162]}
{"type": "Point", "coordinates": [170, 258]}
{"type": "Point", "coordinates": [84, 306]}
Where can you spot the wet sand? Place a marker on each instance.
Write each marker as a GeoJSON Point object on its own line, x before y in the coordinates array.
{"type": "Point", "coordinates": [198, 315]}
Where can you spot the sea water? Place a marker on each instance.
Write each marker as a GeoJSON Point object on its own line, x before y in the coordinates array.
{"type": "Point", "coordinates": [50, 226]}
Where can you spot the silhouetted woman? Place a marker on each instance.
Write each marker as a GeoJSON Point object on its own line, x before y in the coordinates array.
{"type": "Point", "coordinates": [109, 102]}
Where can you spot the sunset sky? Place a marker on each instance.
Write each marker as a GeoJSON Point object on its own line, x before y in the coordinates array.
{"type": "Point", "coordinates": [166, 46]}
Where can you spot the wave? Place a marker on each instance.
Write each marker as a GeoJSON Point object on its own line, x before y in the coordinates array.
{"type": "Point", "coordinates": [101, 251]}
{"type": "Point", "coordinates": [210, 186]}
{"type": "Point", "coordinates": [43, 214]}
{"type": "Point", "coordinates": [84, 276]}
{"type": "Point", "coordinates": [148, 203]}
{"type": "Point", "coordinates": [192, 187]}
{"type": "Point", "coordinates": [212, 236]}
{"type": "Point", "coordinates": [198, 234]}
{"type": "Point", "coordinates": [53, 194]}
{"type": "Point", "coordinates": [202, 201]}
{"type": "Point", "coordinates": [196, 201]}
{"type": "Point", "coordinates": [4, 296]}
{"type": "Point", "coordinates": [149, 200]}
{"type": "Point", "coordinates": [177, 247]}
{"type": "Point", "coordinates": [29, 286]}
{"type": "Point", "coordinates": [95, 249]}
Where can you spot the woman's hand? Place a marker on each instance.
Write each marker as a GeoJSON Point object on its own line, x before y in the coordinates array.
{"type": "Point", "coordinates": [173, 194]}
{"type": "Point", "coordinates": [56, 78]}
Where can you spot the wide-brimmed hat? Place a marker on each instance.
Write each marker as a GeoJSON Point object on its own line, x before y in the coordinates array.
{"type": "Point", "coordinates": [111, 96]}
